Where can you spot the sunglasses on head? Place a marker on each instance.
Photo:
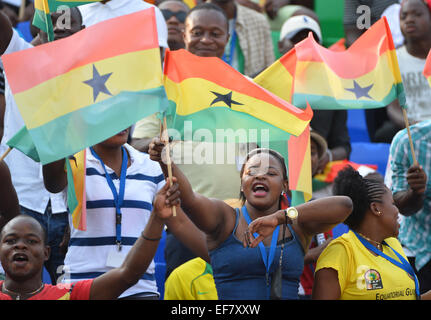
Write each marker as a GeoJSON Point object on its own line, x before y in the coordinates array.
{"type": "Point", "coordinates": [180, 15]}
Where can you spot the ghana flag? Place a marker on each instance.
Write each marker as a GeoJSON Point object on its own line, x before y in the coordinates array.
{"type": "Point", "coordinates": [366, 75]}
{"type": "Point", "coordinates": [278, 77]}
{"type": "Point", "coordinates": [427, 69]}
{"type": "Point", "coordinates": [78, 91]}
{"type": "Point", "coordinates": [213, 95]}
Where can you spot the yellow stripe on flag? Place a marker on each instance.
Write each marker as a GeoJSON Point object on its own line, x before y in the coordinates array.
{"type": "Point", "coordinates": [41, 5]}
{"type": "Point", "coordinates": [203, 98]}
{"type": "Point", "coordinates": [78, 165]}
{"type": "Point", "coordinates": [277, 80]}
{"type": "Point", "coordinates": [318, 79]}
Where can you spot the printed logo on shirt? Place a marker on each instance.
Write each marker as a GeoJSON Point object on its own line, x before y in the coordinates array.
{"type": "Point", "coordinates": [373, 280]}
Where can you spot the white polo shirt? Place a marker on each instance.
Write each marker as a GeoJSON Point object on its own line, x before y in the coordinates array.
{"type": "Point", "coordinates": [96, 12]}
{"type": "Point", "coordinates": [26, 174]}
{"type": "Point", "coordinates": [89, 251]}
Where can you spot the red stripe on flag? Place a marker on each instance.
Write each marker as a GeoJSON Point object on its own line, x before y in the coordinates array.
{"type": "Point", "coordinates": [359, 59]}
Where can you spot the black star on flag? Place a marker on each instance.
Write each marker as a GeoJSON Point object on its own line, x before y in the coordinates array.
{"type": "Point", "coordinates": [98, 83]}
{"type": "Point", "coordinates": [360, 91]}
{"type": "Point", "coordinates": [226, 98]}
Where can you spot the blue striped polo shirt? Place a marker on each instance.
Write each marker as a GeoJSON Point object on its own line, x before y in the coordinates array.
{"type": "Point", "coordinates": [88, 250]}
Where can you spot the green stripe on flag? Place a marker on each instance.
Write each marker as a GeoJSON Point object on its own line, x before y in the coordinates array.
{"type": "Point", "coordinates": [88, 126]}
{"type": "Point", "coordinates": [217, 123]}
{"type": "Point", "coordinates": [319, 102]}
{"type": "Point", "coordinates": [72, 201]}
{"type": "Point", "coordinates": [43, 21]}
{"type": "Point", "coordinates": [23, 142]}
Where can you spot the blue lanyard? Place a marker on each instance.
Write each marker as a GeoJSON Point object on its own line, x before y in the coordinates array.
{"type": "Point", "coordinates": [404, 264]}
{"type": "Point", "coordinates": [118, 198]}
{"type": "Point", "coordinates": [267, 259]}
{"type": "Point", "coordinates": [229, 60]}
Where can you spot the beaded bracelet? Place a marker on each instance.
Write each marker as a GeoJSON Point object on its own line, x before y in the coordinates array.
{"type": "Point", "coordinates": [149, 239]}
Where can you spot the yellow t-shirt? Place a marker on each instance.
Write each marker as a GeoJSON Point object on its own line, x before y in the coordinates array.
{"type": "Point", "coordinates": [193, 280]}
{"type": "Point", "coordinates": [364, 276]}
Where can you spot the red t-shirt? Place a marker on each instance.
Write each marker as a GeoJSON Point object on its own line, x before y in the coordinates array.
{"type": "Point", "coordinates": [74, 291]}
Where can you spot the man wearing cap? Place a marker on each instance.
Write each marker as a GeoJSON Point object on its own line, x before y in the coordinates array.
{"type": "Point", "coordinates": [331, 124]}
{"type": "Point", "coordinates": [295, 29]}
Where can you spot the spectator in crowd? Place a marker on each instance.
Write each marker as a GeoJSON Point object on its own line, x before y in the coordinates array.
{"type": "Point", "coordinates": [23, 250]}
{"type": "Point", "coordinates": [121, 184]}
{"type": "Point", "coordinates": [415, 22]}
{"type": "Point", "coordinates": [392, 14]}
{"type": "Point", "coordinates": [358, 12]}
{"type": "Point", "coordinates": [206, 34]}
{"type": "Point", "coordinates": [175, 12]}
{"type": "Point", "coordinates": [296, 29]}
{"type": "Point", "coordinates": [368, 262]}
{"type": "Point", "coordinates": [9, 206]}
{"type": "Point", "coordinates": [331, 124]}
{"type": "Point", "coordinates": [49, 209]}
{"type": "Point", "coordinates": [318, 147]}
{"type": "Point", "coordinates": [250, 48]}
{"type": "Point", "coordinates": [99, 11]}
{"type": "Point", "coordinates": [411, 190]}
{"type": "Point", "coordinates": [11, 10]}
{"type": "Point", "coordinates": [263, 179]}
{"type": "Point", "coordinates": [193, 280]}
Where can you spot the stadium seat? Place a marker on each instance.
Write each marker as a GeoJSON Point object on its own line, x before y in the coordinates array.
{"type": "Point", "coordinates": [160, 278]}
{"type": "Point", "coordinates": [160, 262]}
{"type": "Point", "coordinates": [371, 153]}
{"type": "Point", "coordinates": [357, 125]}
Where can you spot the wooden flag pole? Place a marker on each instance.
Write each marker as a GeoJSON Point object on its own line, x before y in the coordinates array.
{"type": "Point", "coordinates": [5, 154]}
{"type": "Point", "coordinates": [165, 139]}
{"type": "Point", "coordinates": [406, 121]}
{"type": "Point", "coordinates": [21, 11]}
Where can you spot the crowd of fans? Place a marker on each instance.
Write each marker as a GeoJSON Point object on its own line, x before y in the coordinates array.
{"type": "Point", "coordinates": [210, 251]}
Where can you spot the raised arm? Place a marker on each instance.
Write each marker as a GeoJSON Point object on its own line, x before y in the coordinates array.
{"type": "Point", "coordinates": [113, 283]}
{"type": "Point", "coordinates": [209, 215]}
{"type": "Point", "coordinates": [9, 206]}
{"type": "Point", "coordinates": [189, 234]}
{"type": "Point", "coordinates": [314, 217]}
{"type": "Point", "coordinates": [5, 32]}
{"type": "Point", "coordinates": [55, 176]}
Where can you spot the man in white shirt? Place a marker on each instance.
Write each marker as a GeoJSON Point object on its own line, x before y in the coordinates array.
{"type": "Point", "coordinates": [49, 209]}
{"type": "Point", "coordinates": [100, 11]}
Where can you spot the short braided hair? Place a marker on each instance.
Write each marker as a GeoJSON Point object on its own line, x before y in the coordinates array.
{"type": "Point", "coordinates": [362, 191]}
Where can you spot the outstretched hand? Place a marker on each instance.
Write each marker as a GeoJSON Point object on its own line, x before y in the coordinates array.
{"type": "Point", "coordinates": [166, 198]}
{"type": "Point", "coordinates": [263, 226]}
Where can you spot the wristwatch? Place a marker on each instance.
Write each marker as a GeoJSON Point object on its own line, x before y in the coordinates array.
{"type": "Point", "coordinates": [291, 213]}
